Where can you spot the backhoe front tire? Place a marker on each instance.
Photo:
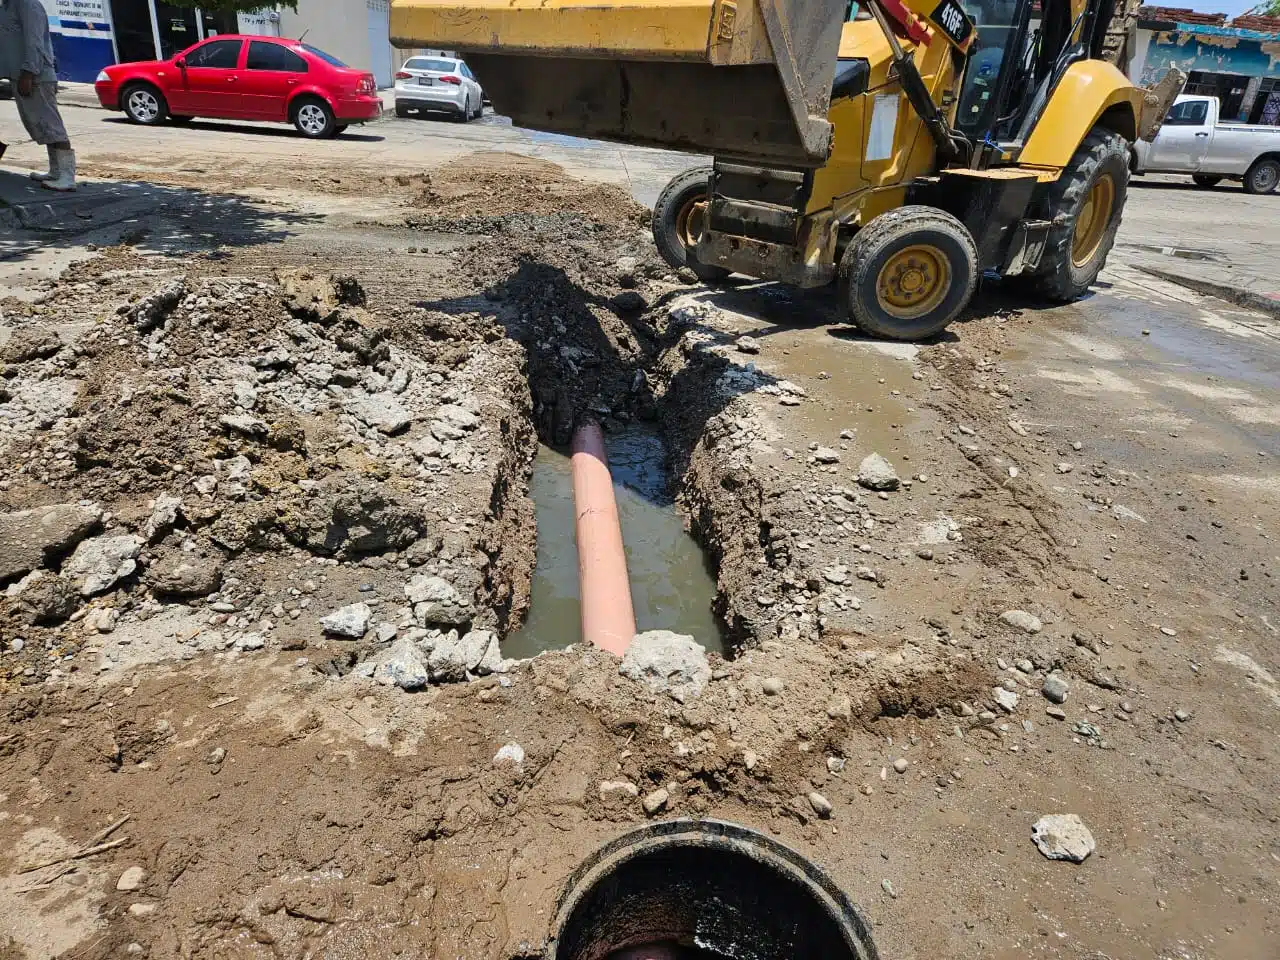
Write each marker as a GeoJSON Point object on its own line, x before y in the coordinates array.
{"type": "Point", "coordinates": [1085, 204]}
{"type": "Point", "coordinates": [908, 273]}
{"type": "Point", "coordinates": [678, 219]}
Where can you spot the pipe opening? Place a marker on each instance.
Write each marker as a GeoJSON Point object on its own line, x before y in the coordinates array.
{"type": "Point", "coordinates": [682, 890]}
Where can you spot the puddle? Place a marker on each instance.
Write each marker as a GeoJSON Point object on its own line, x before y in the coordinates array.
{"type": "Point", "coordinates": [671, 587]}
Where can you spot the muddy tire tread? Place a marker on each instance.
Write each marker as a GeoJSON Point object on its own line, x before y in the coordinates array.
{"type": "Point", "coordinates": [1056, 279]}
{"type": "Point", "coordinates": [862, 257]}
{"type": "Point", "coordinates": [665, 211]}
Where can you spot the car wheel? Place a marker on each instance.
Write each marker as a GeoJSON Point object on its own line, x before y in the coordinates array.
{"type": "Point", "coordinates": [401, 112]}
{"type": "Point", "coordinates": [908, 273]}
{"type": "Point", "coordinates": [314, 119]}
{"type": "Point", "coordinates": [1263, 176]}
{"type": "Point", "coordinates": [465, 115]}
{"type": "Point", "coordinates": [144, 104]}
{"type": "Point", "coordinates": [1205, 181]}
{"type": "Point", "coordinates": [679, 217]}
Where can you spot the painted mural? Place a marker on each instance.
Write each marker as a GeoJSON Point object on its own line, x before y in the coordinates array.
{"type": "Point", "coordinates": [1225, 53]}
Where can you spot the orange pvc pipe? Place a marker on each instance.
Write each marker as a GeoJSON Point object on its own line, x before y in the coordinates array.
{"type": "Point", "coordinates": [608, 619]}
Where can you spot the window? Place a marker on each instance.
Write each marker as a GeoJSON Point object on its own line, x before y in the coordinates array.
{"type": "Point", "coordinates": [220, 54]}
{"type": "Point", "coordinates": [1189, 113]}
{"type": "Point", "coordinates": [273, 56]}
{"type": "Point", "coordinates": [466, 71]}
{"type": "Point", "coordinates": [425, 63]}
{"type": "Point", "coordinates": [326, 57]}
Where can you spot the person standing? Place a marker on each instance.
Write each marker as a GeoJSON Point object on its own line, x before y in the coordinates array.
{"type": "Point", "coordinates": [26, 58]}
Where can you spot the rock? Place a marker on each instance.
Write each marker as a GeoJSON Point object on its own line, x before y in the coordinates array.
{"type": "Point", "coordinates": [97, 564]}
{"type": "Point", "coordinates": [403, 666]}
{"type": "Point", "coordinates": [1008, 700]}
{"type": "Point", "coordinates": [1182, 716]}
{"type": "Point", "coordinates": [835, 764]}
{"type": "Point", "coordinates": [887, 886]}
{"type": "Point", "coordinates": [386, 632]}
{"type": "Point", "coordinates": [351, 621]}
{"type": "Point", "coordinates": [245, 424]}
{"type": "Point", "coordinates": [104, 620]}
{"type": "Point", "coordinates": [1055, 688]}
{"type": "Point", "coordinates": [453, 657]}
{"type": "Point", "coordinates": [1063, 836]}
{"type": "Point", "coordinates": [30, 539]}
{"type": "Point", "coordinates": [747, 345]}
{"type": "Point", "coordinates": [1022, 621]}
{"type": "Point", "coordinates": [511, 753]}
{"type": "Point", "coordinates": [152, 310]}
{"type": "Point", "coordinates": [1056, 712]}
{"type": "Point", "coordinates": [1025, 666]}
{"type": "Point", "coordinates": [352, 520]}
{"type": "Point", "coordinates": [655, 801]}
{"type": "Point", "coordinates": [877, 473]}
{"type": "Point", "coordinates": [244, 395]}
{"type": "Point", "coordinates": [164, 515]}
{"type": "Point", "coordinates": [821, 805]}
{"type": "Point", "coordinates": [45, 599]}
{"type": "Point", "coordinates": [250, 641]}
{"type": "Point", "coordinates": [436, 602]}
{"type": "Point", "coordinates": [186, 573]}
{"type": "Point", "coordinates": [901, 764]}
{"type": "Point", "coordinates": [670, 663]}
{"type": "Point", "coordinates": [841, 708]}
{"type": "Point", "coordinates": [131, 879]}
{"type": "Point", "coordinates": [216, 756]}
{"type": "Point", "coordinates": [614, 791]}
{"type": "Point", "coordinates": [454, 422]}
{"type": "Point", "coordinates": [772, 686]}
{"type": "Point", "coordinates": [629, 301]}
{"type": "Point", "coordinates": [826, 455]}
{"type": "Point", "coordinates": [142, 910]}
{"type": "Point", "coordinates": [382, 411]}
{"type": "Point", "coordinates": [30, 343]}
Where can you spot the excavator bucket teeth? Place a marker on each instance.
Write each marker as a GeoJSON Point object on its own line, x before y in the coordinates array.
{"type": "Point", "coordinates": [739, 78]}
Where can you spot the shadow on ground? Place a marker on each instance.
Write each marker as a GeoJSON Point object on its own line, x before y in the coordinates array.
{"type": "Point", "coordinates": [198, 126]}
{"type": "Point", "coordinates": [171, 220]}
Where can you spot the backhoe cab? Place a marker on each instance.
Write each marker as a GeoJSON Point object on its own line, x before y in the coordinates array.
{"type": "Point", "coordinates": [899, 147]}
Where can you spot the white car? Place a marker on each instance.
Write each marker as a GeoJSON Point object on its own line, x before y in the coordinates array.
{"type": "Point", "coordinates": [440, 84]}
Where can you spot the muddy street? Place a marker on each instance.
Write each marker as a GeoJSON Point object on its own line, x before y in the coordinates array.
{"type": "Point", "coordinates": [290, 662]}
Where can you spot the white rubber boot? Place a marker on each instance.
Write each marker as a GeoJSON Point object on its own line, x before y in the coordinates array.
{"type": "Point", "coordinates": [66, 179]}
{"type": "Point", "coordinates": [53, 168]}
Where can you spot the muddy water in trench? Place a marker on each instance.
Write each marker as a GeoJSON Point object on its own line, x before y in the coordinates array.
{"type": "Point", "coordinates": [671, 587]}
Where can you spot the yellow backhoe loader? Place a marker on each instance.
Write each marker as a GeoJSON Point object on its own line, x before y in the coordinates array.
{"type": "Point", "coordinates": [899, 147]}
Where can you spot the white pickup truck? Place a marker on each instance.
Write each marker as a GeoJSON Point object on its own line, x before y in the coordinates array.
{"type": "Point", "coordinates": [1193, 141]}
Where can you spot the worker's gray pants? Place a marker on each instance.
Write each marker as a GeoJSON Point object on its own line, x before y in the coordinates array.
{"type": "Point", "coordinates": [39, 113]}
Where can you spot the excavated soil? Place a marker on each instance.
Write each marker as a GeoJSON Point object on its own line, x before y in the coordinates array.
{"type": "Point", "coordinates": [342, 415]}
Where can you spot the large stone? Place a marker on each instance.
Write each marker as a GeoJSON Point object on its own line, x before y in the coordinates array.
{"type": "Point", "coordinates": [670, 663]}
{"type": "Point", "coordinates": [877, 473]}
{"type": "Point", "coordinates": [35, 538]}
{"type": "Point", "coordinates": [30, 343]}
{"type": "Point", "coordinates": [153, 309]}
{"type": "Point", "coordinates": [403, 666]}
{"type": "Point", "coordinates": [382, 411]}
{"type": "Point", "coordinates": [99, 563]}
{"type": "Point", "coordinates": [437, 602]}
{"type": "Point", "coordinates": [1055, 688]}
{"type": "Point", "coordinates": [453, 657]}
{"type": "Point", "coordinates": [1022, 620]}
{"type": "Point", "coordinates": [1063, 836]}
{"type": "Point", "coordinates": [351, 621]}
{"type": "Point", "coordinates": [44, 598]}
{"type": "Point", "coordinates": [186, 573]}
{"type": "Point", "coordinates": [363, 519]}
{"type": "Point", "coordinates": [453, 422]}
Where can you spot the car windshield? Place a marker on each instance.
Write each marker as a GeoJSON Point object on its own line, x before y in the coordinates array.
{"type": "Point", "coordinates": [326, 57]}
{"type": "Point", "coordinates": [422, 63]}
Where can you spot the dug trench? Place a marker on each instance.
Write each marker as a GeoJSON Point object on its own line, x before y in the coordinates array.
{"type": "Point", "coordinates": [267, 530]}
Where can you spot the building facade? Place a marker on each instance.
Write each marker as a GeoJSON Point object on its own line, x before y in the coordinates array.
{"type": "Point", "coordinates": [90, 34]}
{"type": "Point", "coordinates": [1238, 61]}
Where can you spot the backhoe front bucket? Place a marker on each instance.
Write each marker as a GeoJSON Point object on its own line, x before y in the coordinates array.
{"type": "Point", "coordinates": [746, 79]}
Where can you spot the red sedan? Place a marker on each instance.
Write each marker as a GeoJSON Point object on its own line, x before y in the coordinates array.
{"type": "Point", "coordinates": [244, 78]}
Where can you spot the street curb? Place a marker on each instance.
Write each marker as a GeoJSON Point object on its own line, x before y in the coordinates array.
{"type": "Point", "coordinates": [1235, 295]}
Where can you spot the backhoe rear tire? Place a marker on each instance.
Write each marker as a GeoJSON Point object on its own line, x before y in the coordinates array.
{"type": "Point", "coordinates": [908, 273]}
{"type": "Point", "coordinates": [678, 219]}
{"type": "Point", "coordinates": [1085, 204]}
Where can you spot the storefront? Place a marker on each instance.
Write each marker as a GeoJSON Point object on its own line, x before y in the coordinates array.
{"type": "Point", "coordinates": [1237, 62]}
